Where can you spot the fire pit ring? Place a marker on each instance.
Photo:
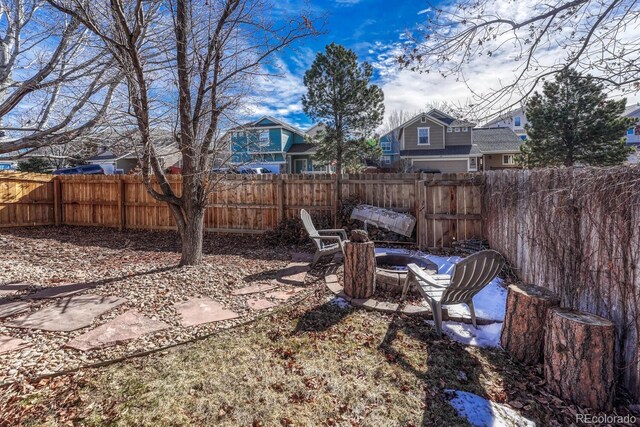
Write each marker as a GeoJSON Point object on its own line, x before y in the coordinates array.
{"type": "Point", "coordinates": [391, 270]}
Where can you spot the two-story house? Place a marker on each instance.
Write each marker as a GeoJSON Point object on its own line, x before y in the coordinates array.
{"type": "Point", "coordinates": [514, 120]}
{"type": "Point", "coordinates": [437, 142]}
{"type": "Point", "coordinates": [272, 144]}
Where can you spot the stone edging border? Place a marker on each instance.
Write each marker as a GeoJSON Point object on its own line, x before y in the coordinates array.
{"type": "Point", "coordinates": [332, 283]}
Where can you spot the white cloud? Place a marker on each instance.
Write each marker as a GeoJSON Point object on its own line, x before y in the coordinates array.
{"type": "Point", "coordinates": [410, 90]}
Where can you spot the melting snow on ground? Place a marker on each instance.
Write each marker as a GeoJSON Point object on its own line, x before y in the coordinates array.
{"type": "Point", "coordinates": [339, 302]}
{"type": "Point", "coordinates": [490, 303]}
{"type": "Point", "coordinates": [481, 412]}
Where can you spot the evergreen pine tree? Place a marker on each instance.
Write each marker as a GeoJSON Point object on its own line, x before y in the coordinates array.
{"type": "Point", "coordinates": [572, 122]}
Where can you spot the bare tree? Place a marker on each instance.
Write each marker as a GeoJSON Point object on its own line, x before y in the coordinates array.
{"type": "Point", "coordinates": [53, 89]}
{"type": "Point", "coordinates": [191, 64]}
{"type": "Point", "coordinates": [397, 118]}
{"type": "Point", "coordinates": [598, 36]}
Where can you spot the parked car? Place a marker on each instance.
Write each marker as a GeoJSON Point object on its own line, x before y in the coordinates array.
{"type": "Point", "coordinates": [261, 171]}
{"type": "Point", "coordinates": [7, 166]}
{"type": "Point", "coordinates": [89, 170]}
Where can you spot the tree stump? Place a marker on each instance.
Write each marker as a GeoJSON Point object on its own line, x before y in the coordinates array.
{"type": "Point", "coordinates": [578, 358]}
{"type": "Point", "coordinates": [523, 327]}
{"type": "Point", "coordinates": [359, 269]}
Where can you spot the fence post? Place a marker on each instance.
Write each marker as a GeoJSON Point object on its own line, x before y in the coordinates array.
{"type": "Point", "coordinates": [121, 203]}
{"type": "Point", "coordinates": [418, 206]}
{"type": "Point", "coordinates": [57, 200]}
{"type": "Point", "coordinates": [280, 198]}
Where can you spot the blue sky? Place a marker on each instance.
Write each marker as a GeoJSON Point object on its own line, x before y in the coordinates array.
{"type": "Point", "coordinates": [374, 30]}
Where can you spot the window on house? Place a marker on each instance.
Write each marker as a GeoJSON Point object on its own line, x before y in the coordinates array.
{"type": "Point", "coordinates": [465, 129]}
{"type": "Point", "coordinates": [508, 159]}
{"type": "Point", "coordinates": [423, 136]}
{"type": "Point", "coordinates": [385, 160]}
{"type": "Point", "coordinates": [456, 129]}
{"type": "Point", "coordinates": [630, 131]}
{"type": "Point", "coordinates": [385, 145]}
{"type": "Point", "coordinates": [516, 121]}
{"type": "Point", "coordinates": [473, 163]}
{"type": "Point", "coordinates": [263, 138]}
{"type": "Point", "coordinates": [449, 129]}
{"type": "Point", "coordinates": [423, 119]}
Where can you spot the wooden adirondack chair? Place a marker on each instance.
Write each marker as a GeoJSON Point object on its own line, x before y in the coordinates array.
{"type": "Point", "coordinates": [469, 276]}
{"type": "Point", "coordinates": [323, 238]}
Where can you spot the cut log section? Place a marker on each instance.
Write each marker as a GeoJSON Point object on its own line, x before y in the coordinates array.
{"type": "Point", "coordinates": [359, 269]}
{"type": "Point", "coordinates": [523, 328]}
{"type": "Point", "coordinates": [578, 359]}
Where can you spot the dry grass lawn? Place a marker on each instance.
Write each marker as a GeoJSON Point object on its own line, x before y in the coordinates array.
{"type": "Point", "coordinates": [315, 365]}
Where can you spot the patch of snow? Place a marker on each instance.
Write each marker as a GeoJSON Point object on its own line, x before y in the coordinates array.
{"type": "Point", "coordinates": [481, 412]}
{"type": "Point", "coordinates": [340, 302]}
{"type": "Point", "coordinates": [484, 336]}
{"type": "Point", "coordinates": [490, 303]}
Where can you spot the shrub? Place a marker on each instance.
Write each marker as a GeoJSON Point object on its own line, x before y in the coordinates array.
{"type": "Point", "coordinates": [291, 231]}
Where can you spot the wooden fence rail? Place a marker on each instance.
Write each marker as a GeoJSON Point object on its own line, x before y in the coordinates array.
{"type": "Point", "coordinates": [447, 207]}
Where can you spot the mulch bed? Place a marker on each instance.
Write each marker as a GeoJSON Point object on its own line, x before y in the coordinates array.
{"type": "Point", "coordinates": [137, 266]}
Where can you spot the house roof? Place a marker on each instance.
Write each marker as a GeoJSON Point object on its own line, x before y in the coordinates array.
{"type": "Point", "coordinates": [254, 124]}
{"type": "Point", "coordinates": [631, 109]}
{"type": "Point", "coordinates": [453, 150]}
{"type": "Point", "coordinates": [508, 115]}
{"type": "Point", "coordinates": [496, 140]}
{"type": "Point", "coordinates": [304, 148]}
{"type": "Point", "coordinates": [315, 129]}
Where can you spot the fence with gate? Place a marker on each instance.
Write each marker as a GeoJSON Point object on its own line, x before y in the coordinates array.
{"type": "Point", "coordinates": [447, 206]}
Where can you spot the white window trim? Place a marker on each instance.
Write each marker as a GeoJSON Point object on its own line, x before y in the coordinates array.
{"type": "Point", "coordinates": [465, 129]}
{"type": "Point", "coordinates": [265, 142]}
{"type": "Point", "coordinates": [513, 160]}
{"type": "Point", "coordinates": [423, 119]}
{"type": "Point", "coordinates": [306, 165]}
{"type": "Point", "coordinates": [469, 168]}
{"type": "Point", "coordinates": [517, 119]}
{"type": "Point", "coordinates": [449, 129]}
{"type": "Point", "coordinates": [385, 144]}
{"type": "Point", "coordinates": [456, 129]}
{"type": "Point", "coordinates": [385, 160]}
{"type": "Point", "coordinates": [428, 135]}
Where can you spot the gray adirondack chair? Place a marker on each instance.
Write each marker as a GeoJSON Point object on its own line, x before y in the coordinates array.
{"type": "Point", "coordinates": [469, 276]}
{"type": "Point", "coordinates": [328, 242]}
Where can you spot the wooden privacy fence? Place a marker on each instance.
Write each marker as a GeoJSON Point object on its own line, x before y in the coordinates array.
{"type": "Point", "coordinates": [576, 232]}
{"type": "Point", "coordinates": [447, 206]}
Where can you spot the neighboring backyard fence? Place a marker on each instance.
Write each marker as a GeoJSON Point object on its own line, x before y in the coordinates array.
{"type": "Point", "coordinates": [448, 206]}
{"type": "Point", "coordinates": [577, 232]}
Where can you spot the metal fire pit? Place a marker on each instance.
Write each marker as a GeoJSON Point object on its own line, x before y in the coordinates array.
{"type": "Point", "coordinates": [391, 270]}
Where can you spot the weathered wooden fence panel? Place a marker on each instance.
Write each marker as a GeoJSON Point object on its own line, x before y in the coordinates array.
{"type": "Point", "coordinates": [447, 207]}
{"type": "Point", "coordinates": [576, 232]}
{"type": "Point", "coordinates": [26, 199]}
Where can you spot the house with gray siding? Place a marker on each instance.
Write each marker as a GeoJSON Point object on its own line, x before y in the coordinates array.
{"type": "Point", "coordinates": [514, 120]}
{"type": "Point", "coordinates": [437, 142]}
{"type": "Point", "coordinates": [633, 133]}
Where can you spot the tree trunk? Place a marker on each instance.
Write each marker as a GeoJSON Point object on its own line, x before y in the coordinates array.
{"type": "Point", "coordinates": [578, 359]}
{"type": "Point", "coordinates": [359, 269]}
{"type": "Point", "coordinates": [523, 327]}
{"type": "Point", "coordinates": [192, 236]}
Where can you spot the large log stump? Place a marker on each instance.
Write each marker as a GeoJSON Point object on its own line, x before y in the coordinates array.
{"type": "Point", "coordinates": [578, 358]}
{"type": "Point", "coordinates": [523, 328]}
{"type": "Point", "coordinates": [359, 267]}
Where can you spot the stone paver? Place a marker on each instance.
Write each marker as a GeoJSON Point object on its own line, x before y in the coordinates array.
{"type": "Point", "coordinates": [12, 307]}
{"type": "Point", "coordinates": [67, 314]}
{"type": "Point", "coordinates": [387, 307]}
{"type": "Point", "coordinates": [8, 344]}
{"type": "Point", "coordinates": [62, 291]}
{"type": "Point", "coordinates": [293, 274]}
{"type": "Point", "coordinates": [334, 287]}
{"type": "Point", "coordinates": [10, 289]}
{"type": "Point", "coordinates": [199, 310]}
{"type": "Point", "coordinates": [301, 257]}
{"type": "Point", "coordinates": [283, 294]}
{"type": "Point", "coordinates": [416, 310]}
{"type": "Point", "coordinates": [253, 289]}
{"type": "Point", "coordinates": [127, 326]}
{"type": "Point", "coordinates": [260, 304]}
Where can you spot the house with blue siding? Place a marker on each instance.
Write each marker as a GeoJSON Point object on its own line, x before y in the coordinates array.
{"type": "Point", "coordinates": [390, 145]}
{"type": "Point", "coordinates": [272, 144]}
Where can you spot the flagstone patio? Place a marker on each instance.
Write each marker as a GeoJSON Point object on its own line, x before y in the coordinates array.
{"type": "Point", "coordinates": [68, 324]}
